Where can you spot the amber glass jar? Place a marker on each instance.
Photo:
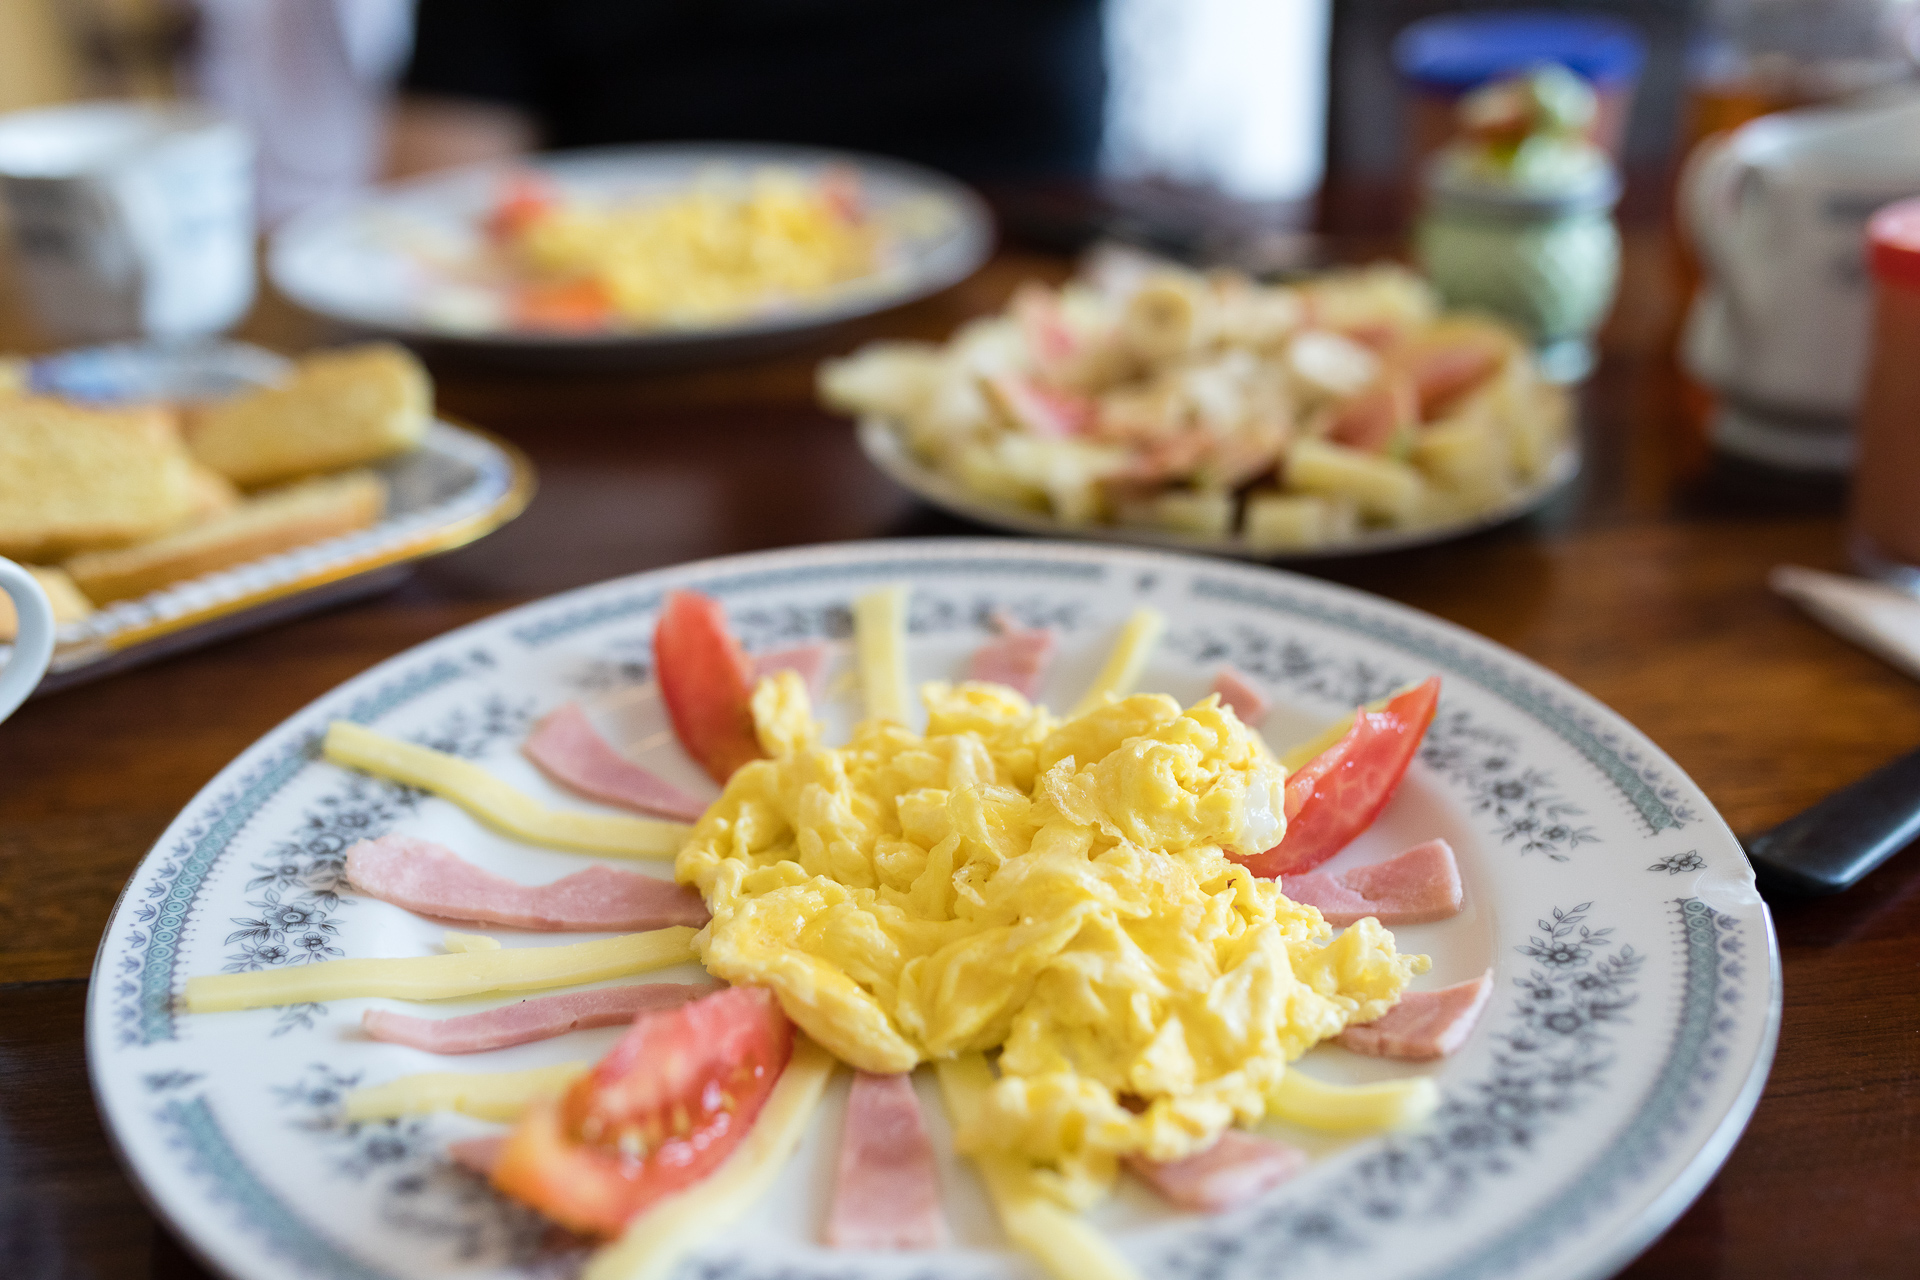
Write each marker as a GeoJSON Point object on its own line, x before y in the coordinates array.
{"type": "Point", "coordinates": [1886, 488]}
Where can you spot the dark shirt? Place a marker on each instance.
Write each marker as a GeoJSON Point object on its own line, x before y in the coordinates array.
{"type": "Point", "coordinates": [982, 88]}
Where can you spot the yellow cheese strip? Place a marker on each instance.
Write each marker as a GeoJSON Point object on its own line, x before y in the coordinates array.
{"type": "Point", "coordinates": [468, 973]}
{"type": "Point", "coordinates": [1127, 661]}
{"type": "Point", "coordinates": [454, 941]}
{"type": "Point", "coordinates": [1059, 1239]}
{"type": "Point", "coordinates": [1352, 1108]}
{"type": "Point", "coordinates": [879, 638]}
{"type": "Point", "coordinates": [489, 1095]}
{"type": "Point", "coordinates": [653, 1243]}
{"type": "Point", "coordinates": [493, 801]}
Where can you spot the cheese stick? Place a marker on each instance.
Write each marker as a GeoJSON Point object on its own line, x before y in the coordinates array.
{"type": "Point", "coordinates": [494, 802]}
{"type": "Point", "coordinates": [1352, 1108]}
{"type": "Point", "coordinates": [879, 637]}
{"type": "Point", "coordinates": [1059, 1239]}
{"type": "Point", "coordinates": [487, 1095]}
{"type": "Point", "coordinates": [464, 973]}
{"type": "Point", "coordinates": [1127, 661]}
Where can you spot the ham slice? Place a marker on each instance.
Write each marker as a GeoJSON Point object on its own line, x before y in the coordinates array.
{"type": "Point", "coordinates": [1425, 1024]}
{"type": "Point", "coordinates": [886, 1194]}
{"type": "Point", "coordinates": [1421, 885]}
{"type": "Point", "coordinates": [1238, 692]}
{"type": "Point", "coordinates": [1234, 1170]}
{"type": "Point", "coordinates": [571, 751]}
{"type": "Point", "coordinates": [808, 661]}
{"type": "Point", "coordinates": [1017, 657]}
{"type": "Point", "coordinates": [478, 1155]}
{"type": "Point", "coordinates": [540, 1018]}
{"type": "Point", "coordinates": [435, 881]}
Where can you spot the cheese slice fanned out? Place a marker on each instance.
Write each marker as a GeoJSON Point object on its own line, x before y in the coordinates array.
{"type": "Point", "coordinates": [445, 977]}
{"type": "Point", "coordinates": [435, 881]}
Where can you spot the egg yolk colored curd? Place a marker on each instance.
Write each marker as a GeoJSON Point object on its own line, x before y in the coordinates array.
{"type": "Point", "coordinates": [1057, 891]}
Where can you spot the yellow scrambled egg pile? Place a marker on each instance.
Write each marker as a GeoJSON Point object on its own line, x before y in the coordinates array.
{"type": "Point", "coordinates": [708, 254]}
{"type": "Point", "coordinates": [1054, 890]}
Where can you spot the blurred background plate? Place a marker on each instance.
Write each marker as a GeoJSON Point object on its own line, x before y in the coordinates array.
{"type": "Point", "coordinates": [886, 450]}
{"type": "Point", "coordinates": [386, 261]}
{"type": "Point", "coordinates": [459, 485]}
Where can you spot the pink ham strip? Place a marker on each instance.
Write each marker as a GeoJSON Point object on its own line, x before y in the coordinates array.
{"type": "Point", "coordinates": [435, 881]}
{"type": "Point", "coordinates": [1234, 1170]}
{"type": "Point", "coordinates": [807, 661]}
{"type": "Point", "coordinates": [1017, 657]}
{"type": "Point", "coordinates": [886, 1194]}
{"type": "Point", "coordinates": [1421, 885]}
{"type": "Point", "coordinates": [1425, 1024]}
{"type": "Point", "coordinates": [1238, 692]}
{"type": "Point", "coordinates": [571, 751]}
{"type": "Point", "coordinates": [540, 1018]}
{"type": "Point", "coordinates": [478, 1155]}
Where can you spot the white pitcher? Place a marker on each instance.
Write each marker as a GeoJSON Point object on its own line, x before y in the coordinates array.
{"type": "Point", "coordinates": [33, 639]}
{"type": "Point", "coordinates": [1778, 211]}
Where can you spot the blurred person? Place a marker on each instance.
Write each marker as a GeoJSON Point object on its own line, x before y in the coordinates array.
{"type": "Point", "coordinates": [981, 88]}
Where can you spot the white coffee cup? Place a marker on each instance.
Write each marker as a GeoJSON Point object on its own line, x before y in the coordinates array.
{"type": "Point", "coordinates": [130, 220]}
{"type": "Point", "coordinates": [33, 637]}
{"type": "Point", "coordinates": [1778, 210]}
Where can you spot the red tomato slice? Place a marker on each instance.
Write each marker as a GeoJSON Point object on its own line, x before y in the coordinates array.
{"type": "Point", "coordinates": [527, 198]}
{"type": "Point", "coordinates": [565, 305]}
{"type": "Point", "coordinates": [658, 1113]}
{"type": "Point", "coordinates": [1339, 793]}
{"type": "Point", "coordinates": [707, 683]}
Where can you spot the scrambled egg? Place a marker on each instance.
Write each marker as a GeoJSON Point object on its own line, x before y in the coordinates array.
{"type": "Point", "coordinates": [710, 253]}
{"type": "Point", "coordinates": [1053, 890]}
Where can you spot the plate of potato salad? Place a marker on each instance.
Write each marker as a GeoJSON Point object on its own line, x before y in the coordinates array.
{"type": "Point", "coordinates": [943, 909]}
{"type": "Point", "coordinates": [1142, 402]}
{"type": "Point", "coordinates": [666, 249]}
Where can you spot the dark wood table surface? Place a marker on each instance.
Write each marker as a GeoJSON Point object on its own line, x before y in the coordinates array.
{"type": "Point", "coordinates": [1645, 585]}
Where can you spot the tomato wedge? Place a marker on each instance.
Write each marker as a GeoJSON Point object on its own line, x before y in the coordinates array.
{"type": "Point", "coordinates": [526, 199]}
{"type": "Point", "coordinates": [1339, 793]}
{"type": "Point", "coordinates": [658, 1113]}
{"type": "Point", "coordinates": [707, 683]}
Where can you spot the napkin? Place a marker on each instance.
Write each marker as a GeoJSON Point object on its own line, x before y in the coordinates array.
{"type": "Point", "coordinates": [1879, 618]}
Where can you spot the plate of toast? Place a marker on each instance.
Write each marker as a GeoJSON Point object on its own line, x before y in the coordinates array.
{"type": "Point", "coordinates": [166, 497]}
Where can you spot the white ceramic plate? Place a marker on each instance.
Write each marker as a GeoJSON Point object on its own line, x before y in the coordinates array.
{"type": "Point", "coordinates": [882, 444]}
{"type": "Point", "coordinates": [392, 261]}
{"type": "Point", "coordinates": [1638, 987]}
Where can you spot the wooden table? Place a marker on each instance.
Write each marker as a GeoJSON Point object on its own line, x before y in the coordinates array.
{"type": "Point", "coordinates": [1645, 585]}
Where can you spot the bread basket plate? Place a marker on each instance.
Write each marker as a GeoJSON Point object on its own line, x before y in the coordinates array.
{"type": "Point", "coordinates": [1637, 983]}
{"type": "Point", "coordinates": [395, 261]}
{"type": "Point", "coordinates": [881, 441]}
{"type": "Point", "coordinates": [459, 485]}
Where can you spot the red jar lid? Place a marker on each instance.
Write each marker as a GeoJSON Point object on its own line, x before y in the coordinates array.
{"type": "Point", "coordinates": [1894, 235]}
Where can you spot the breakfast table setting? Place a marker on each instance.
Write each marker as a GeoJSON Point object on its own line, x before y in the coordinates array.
{"type": "Point", "coordinates": [1698, 1072]}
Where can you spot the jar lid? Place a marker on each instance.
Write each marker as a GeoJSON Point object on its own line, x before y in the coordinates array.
{"type": "Point", "coordinates": [1894, 234]}
{"type": "Point", "coordinates": [1455, 53]}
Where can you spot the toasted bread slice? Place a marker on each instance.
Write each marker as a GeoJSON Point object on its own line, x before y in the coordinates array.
{"type": "Point", "coordinates": [68, 604]}
{"type": "Point", "coordinates": [270, 522]}
{"type": "Point", "coordinates": [340, 409]}
{"type": "Point", "coordinates": [74, 478]}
